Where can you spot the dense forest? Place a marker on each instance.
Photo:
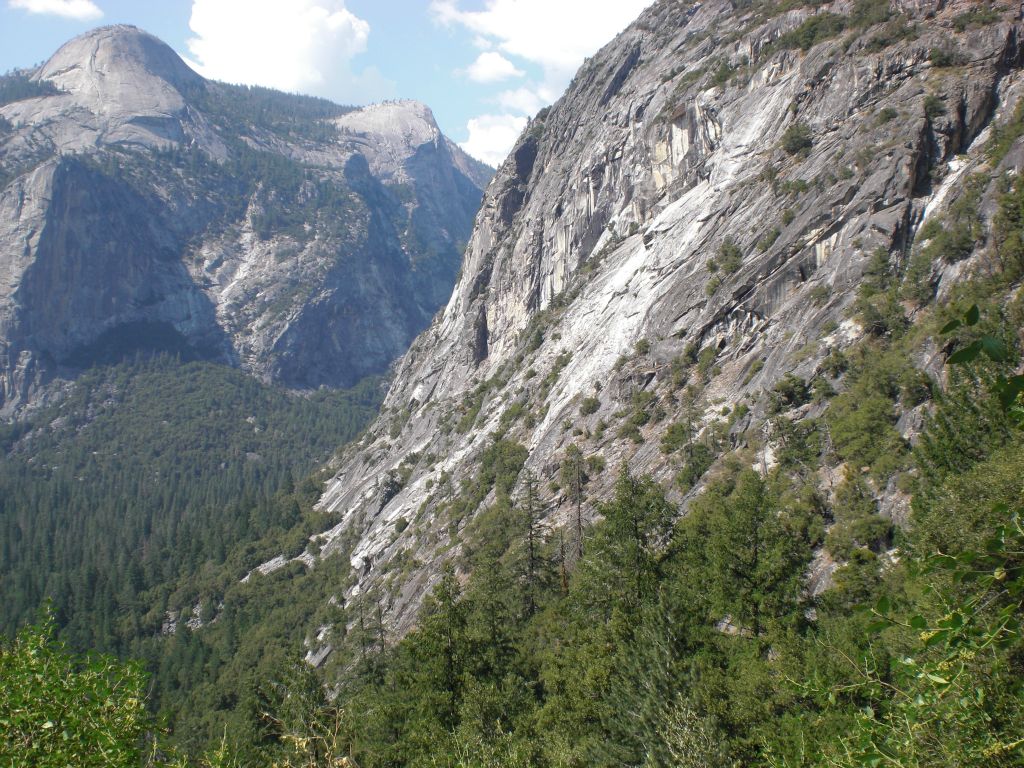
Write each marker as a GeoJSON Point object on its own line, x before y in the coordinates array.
{"type": "Point", "coordinates": [668, 641]}
{"type": "Point", "coordinates": [650, 638]}
{"type": "Point", "coordinates": [18, 86]}
{"type": "Point", "coordinates": [118, 501]}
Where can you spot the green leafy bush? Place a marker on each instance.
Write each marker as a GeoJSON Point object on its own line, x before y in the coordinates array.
{"type": "Point", "coordinates": [797, 139]}
{"type": "Point", "coordinates": [698, 460]}
{"type": "Point", "coordinates": [729, 258]}
{"type": "Point", "coordinates": [934, 106]}
{"type": "Point", "coordinates": [976, 17]}
{"type": "Point", "coordinates": [789, 392]}
{"type": "Point", "coordinates": [886, 115]}
{"type": "Point", "coordinates": [817, 28]}
{"type": "Point", "coordinates": [59, 709]}
{"type": "Point", "coordinates": [769, 238]}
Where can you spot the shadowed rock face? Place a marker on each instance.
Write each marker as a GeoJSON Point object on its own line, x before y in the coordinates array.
{"type": "Point", "coordinates": [143, 206]}
{"type": "Point", "coordinates": [599, 229]}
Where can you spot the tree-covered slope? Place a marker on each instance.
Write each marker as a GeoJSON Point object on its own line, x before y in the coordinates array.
{"type": "Point", "coordinates": [724, 259]}
{"type": "Point", "coordinates": [714, 458]}
{"type": "Point", "coordinates": [115, 501]}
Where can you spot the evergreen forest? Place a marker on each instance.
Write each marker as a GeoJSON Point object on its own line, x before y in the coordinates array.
{"type": "Point", "coordinates": [828, 572]}
{"type": "Point", "coordinates": [645, 639]}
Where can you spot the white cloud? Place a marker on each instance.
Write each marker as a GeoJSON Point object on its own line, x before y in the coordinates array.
{"type": "Point", "coordinates": [491, 136]}
{"type": "Point", "coordinates": [492, 67]}
{"type": "Point", "coordinates": [553, 35]}
{"type": "Point", "coordinates": [526, 101]}
{"type": "Point", "coordinates": [81, 10]}
{"type": "Point", "coordinates": [304, 46]}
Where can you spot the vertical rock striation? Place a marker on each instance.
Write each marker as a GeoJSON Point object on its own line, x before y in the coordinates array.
{"type": "Point", "coordinates": [600, 258]}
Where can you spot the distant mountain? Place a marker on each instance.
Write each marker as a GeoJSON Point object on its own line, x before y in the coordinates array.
{"type": "Point", "coordinates": [145, 208]}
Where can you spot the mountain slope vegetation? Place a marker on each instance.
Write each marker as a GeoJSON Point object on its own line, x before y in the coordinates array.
{"type": "Point", "coordinates": [715, 456]}
{"type": "Point", "coordinates": [118, 502]}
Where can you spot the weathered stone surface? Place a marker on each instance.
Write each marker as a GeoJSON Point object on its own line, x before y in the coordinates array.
{"type": "Point", "coordinates": [122, 223]}
{"type": "Point", "coordinates": [599, 228]}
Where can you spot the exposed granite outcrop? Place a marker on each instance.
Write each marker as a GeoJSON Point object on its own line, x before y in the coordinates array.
{"type": "Point", "coordinates": [598, 230]}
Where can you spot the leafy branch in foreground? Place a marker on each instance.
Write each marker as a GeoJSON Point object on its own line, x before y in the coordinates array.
{"type": "Point", "coordinates": [58, 709]}
{"type": "Point", "coordinates": [954, 697]}
{"type": "Point", "coordinates": [1006, 389]}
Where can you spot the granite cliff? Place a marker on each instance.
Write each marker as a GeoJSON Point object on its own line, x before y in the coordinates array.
{"type": "Point", "coordinates": [675, 252]}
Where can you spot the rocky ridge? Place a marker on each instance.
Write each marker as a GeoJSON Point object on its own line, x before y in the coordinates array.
{"type": "Point", "coordinates": [145, 206]}
{"type": "Point", "coordinates": [688, 224]}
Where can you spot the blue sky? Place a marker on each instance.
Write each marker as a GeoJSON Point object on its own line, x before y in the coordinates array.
{"type": "Point", "coordinates": [483, 66]}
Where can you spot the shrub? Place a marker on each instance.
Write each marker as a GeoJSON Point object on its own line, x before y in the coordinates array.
{"type": "Point", "coordinates": [755, 368]}
{"type": "Point", "coordinates": [1005, 134]}
{"type": "Point", "coordinates": [797, 139]}
{"type": "Point", "coordinates": [706, 361]}
{"type": "Point", "coordinates": [942, 57]}
{"type": "Point", "coordinates": [934, 106]}
{"type": "Point", "coordinates": [789, 392]}
{"type": "Point", "coordinates": [835, 364]}
{"type": "Point", "coordinates": [675, 437]}
{"type": "Point", "coordinates": [821, 390]}
{"type": "Point", "coordinates": [699, 459]}
{"type": "Point", "coordinates": [885, 115]}
{"type": "Point", "coordinates": [723, 73]}
{"type": "Point", "coordinates": [730, 257]}
{"type": "Point", "coordinates": [769, 239]}
{"type": "Point", "coordinates": [632, 431]}
{"type": "Point", "coordinates": [793, 187]}
{"type": "Point", "coordinates": [642, 413]}
{"type": "Point", "coordinates": [819, 294]}
{"type": "Point", "coordinates": [892, 33]}
{"type": "Point", "coordinates": [976, 17]}
{"type": "Point", "coordinates": [867, 13]}
{"type": "Point", "coordinates": [589, 405]}
{"type": "Point", "coordinates": [58, 709]}
{"type": "Point", "coordinates": [817, 28]}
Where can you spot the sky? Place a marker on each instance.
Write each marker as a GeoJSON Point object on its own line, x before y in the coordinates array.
{"type": "Point", "coordinates": [483, 66]}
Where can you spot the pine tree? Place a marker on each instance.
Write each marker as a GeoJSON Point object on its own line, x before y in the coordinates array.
{"type": "Point", "coordinates": [755, 560]}
{"type": "Point", "coordinates": [574, 479]}
{"type": "Point", "coordinates": [535, 565]}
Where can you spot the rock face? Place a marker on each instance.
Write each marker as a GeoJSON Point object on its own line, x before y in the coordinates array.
{"type": "Point", "coordinates": [143, 206]}
{"type": "Point", "coordinates": [704, 201]}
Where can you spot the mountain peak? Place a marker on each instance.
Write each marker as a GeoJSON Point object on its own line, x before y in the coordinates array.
{"type": "Point", "coordinates": [405, 121]}
{"type": "Point", "coordinates": [106, 60]}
